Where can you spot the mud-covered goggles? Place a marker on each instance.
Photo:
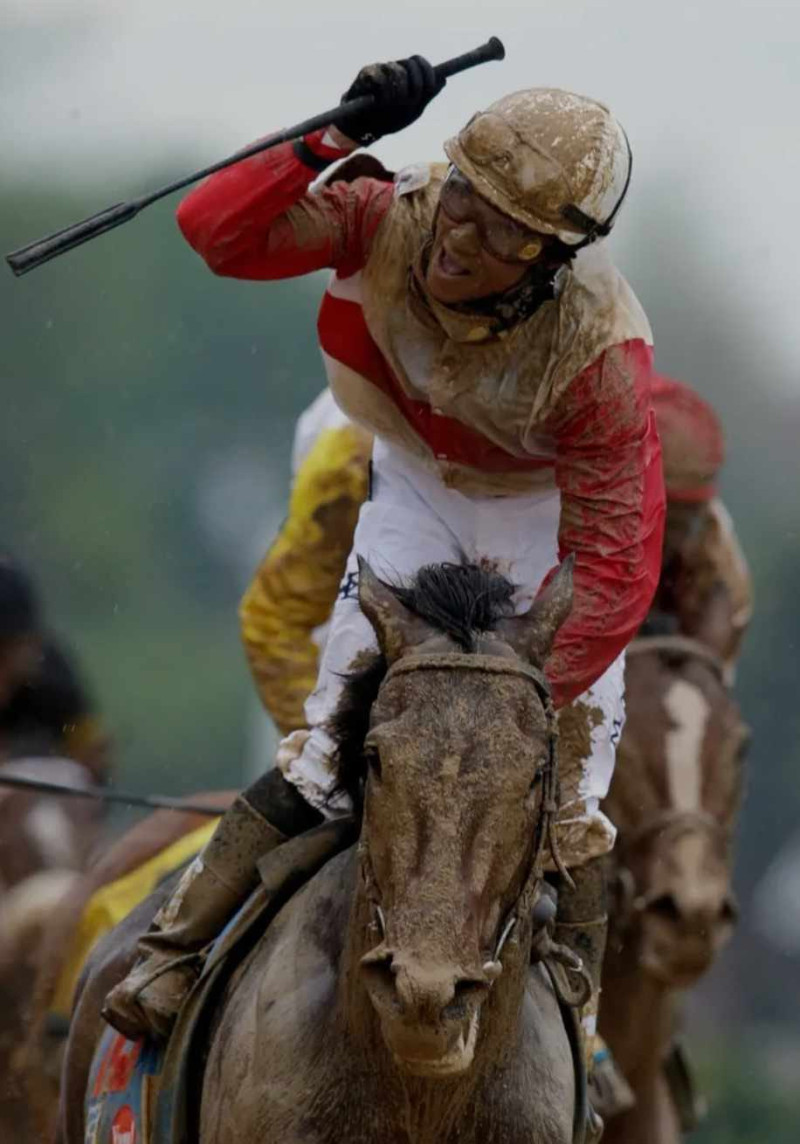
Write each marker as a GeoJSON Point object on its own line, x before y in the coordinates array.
{"type": "Point", "coordinates": [501, 236]}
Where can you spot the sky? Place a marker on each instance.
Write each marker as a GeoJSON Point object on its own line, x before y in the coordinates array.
{"type": "Point", "coordinates": [109, 89]}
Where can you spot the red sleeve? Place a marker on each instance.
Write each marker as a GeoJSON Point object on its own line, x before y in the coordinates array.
{"type": "Point", "coordinates": [257, 220]}
{"type": "Point", "coordinates": [608, 470]}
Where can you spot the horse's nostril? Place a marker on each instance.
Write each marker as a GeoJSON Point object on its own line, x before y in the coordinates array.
{"type": "Point", "coordinates": [466, 990]}
{"type": "Point", "coordinates": [666, 907]}
{"type": "Point", "coordinates": [470, 987]}
{"type": "Point", "coordinates": [380, 969]}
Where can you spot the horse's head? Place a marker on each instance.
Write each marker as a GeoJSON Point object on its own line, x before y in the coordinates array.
{"type": "Point", "coordinates": [455, 763]}
{"type": "Point", "coordinates": [674, 800]}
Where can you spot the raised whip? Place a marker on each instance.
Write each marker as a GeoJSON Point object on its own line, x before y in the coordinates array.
{"type": "Point", "coordinates": [36, 253]}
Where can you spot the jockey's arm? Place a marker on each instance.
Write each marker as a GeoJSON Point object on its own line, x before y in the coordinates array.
{"type": "Point", "coordinates": [258, 220]}
{"type": "Point", "coordinates": [295, 587]}
{"type": "Point", "coordinates": [712, 558]}
{"type": "Point", "coordinates": [608, 470]}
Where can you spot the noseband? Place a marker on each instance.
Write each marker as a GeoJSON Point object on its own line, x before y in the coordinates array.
{"type": "Point", "coordinates": [548, 810]}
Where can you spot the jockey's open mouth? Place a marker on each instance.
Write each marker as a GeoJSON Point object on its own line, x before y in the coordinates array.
{"type": "Point", "coordinates": [448, 265]}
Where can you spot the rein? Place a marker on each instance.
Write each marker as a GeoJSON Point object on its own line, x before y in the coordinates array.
{"type": "Point", "coordinates": [548, 810]}
{"type": "Point", "coordinates": [683, 646]}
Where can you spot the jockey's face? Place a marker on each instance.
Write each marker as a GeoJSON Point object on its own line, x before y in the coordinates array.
{"type": "Point", "coordinates": [477, 250]}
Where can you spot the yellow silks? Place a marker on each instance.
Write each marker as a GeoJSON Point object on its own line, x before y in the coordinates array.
{"type": "Point", "coordinates": [295, 587]}
{"type": "Point", "coordinates": [114, 901]}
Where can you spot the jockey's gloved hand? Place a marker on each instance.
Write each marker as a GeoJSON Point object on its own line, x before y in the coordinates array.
{"type": "Point", "coordinates": [401, 90]}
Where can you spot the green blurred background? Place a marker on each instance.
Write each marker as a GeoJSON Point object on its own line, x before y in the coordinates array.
{"type": "Point", "coordinates": [148, 412]}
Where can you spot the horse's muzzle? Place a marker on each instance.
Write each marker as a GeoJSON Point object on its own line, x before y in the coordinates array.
{"type": "Point", "coordinates": [429, 1011]}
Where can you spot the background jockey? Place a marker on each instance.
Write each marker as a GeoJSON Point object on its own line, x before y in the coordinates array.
{"type": "Point", "coordinates": [701, 552]}
{"type": "Point", "coordinates": [45, 708]}
{"type": "Point", "coordinates": [295, 587]}
{"type": "Point", "coordinates": [504, 366]}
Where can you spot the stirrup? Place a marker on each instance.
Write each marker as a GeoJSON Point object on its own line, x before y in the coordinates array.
{"type": "Point", "coordinates": [563, 964]}
{"type": "Point", "coordinates": [609, 1092]}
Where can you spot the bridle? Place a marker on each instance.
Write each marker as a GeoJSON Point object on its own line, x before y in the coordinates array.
{"type": "Point", "coordinates": [548, 809]}
{"type": "Point", "coordinates": [668, 823]}
{"type": "Point", "coordinates": [680, 647]}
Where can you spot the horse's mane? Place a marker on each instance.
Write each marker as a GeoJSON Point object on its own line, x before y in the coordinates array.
{"type": "Point", "coordinates": [459, 600]}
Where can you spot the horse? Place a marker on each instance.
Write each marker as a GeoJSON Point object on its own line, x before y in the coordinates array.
{"type": "Point", "coordinates": [45, 841]}
{"type": "Point", "coordinates": [393, 1000]}
{"type": "Point", "coordinates": [65, 943]}
{"type": "Point", "coordinates": [674, 799]}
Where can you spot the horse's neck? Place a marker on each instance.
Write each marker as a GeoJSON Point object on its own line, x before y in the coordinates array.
{"type": "Point", "coordinates": [639, 1045]}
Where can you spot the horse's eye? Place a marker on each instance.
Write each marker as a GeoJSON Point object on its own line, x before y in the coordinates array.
{"type": "Point", "coordinates": [373, 760]}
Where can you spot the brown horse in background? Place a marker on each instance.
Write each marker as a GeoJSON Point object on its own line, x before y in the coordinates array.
{"type": "Point", "coordinates": [39, 1058]}
{"type": "Point", "coordinates": [45, 841]}
{"type": "Point", "coordinates": [674, 799]}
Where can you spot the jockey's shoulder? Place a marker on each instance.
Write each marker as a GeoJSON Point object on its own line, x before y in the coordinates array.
{"type": "Point", "coordinates": [417, 177]}
{"type": "Point", "coordinates": [594, 284]}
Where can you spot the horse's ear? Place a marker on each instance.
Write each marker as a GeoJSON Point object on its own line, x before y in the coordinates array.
{"type": "Point", "coordinates": [716, 627]}
{"type": "Point", "coordinates": [397, 629]}
{"type": "Point", "coordinates": [532, 634]}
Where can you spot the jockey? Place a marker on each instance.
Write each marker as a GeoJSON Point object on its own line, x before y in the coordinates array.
{"type": "Point", "coordinates": [294, 589]}
{"type": "Point", "coordinates": [701, 550]}
{"type": "Point", "coordinates": [51, 713]}
{"type": "Point", "coordinates": [477, 327]}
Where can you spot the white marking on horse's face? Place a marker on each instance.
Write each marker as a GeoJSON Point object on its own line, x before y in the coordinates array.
{"type": "Point", "coordinates": [689, 711]}
{"type": "Point", "coordinates": [49, 828]}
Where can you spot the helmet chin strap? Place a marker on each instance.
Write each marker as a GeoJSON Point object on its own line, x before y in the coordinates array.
{"type": "Point", "coordinates": [591, 227]}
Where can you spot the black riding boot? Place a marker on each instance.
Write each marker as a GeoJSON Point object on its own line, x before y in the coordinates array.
{"type": "Point", "coordinates": [214, 885]}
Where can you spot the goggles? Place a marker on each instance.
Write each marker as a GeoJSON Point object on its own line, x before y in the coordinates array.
{"type": "Point", "coordinates": [502, 237]}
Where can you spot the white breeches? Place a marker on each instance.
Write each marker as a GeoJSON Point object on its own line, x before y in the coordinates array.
{"type": "Point", "coordinates": [412, 519]}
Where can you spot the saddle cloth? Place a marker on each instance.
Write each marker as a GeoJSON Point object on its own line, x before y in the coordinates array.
{"type": "Point", "coordinates": [141, 1093]}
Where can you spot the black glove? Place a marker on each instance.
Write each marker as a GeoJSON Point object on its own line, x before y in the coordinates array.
{"type": "Point", "coordinates": [401, 90]}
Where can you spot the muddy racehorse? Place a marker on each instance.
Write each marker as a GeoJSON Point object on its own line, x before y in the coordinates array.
{"type": "Point", "coordinates": [674, 800]}
{"type": "Point", "coordinates": [393, 999]}
{"type": "Point", "coordinates": [40, 1052]}
{"type": "Point", "coordinates": [674, 796]}
{"type": "Point", "coordinates": [45, 842]}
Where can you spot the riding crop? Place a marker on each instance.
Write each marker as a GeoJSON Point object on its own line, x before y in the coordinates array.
{"type": "Point", "coordinates": [101, 794]}
{"type": "Point", "coordinates": [36, 253]}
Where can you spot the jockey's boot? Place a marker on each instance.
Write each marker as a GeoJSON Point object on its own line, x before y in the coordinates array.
{"type": "Point", "coordinates": [214, 885]}
{"type": "Point", "coordinates": [582, 926]}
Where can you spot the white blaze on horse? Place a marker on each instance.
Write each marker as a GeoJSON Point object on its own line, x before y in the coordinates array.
{"type": "Point", "coordinates": [674, 799]}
